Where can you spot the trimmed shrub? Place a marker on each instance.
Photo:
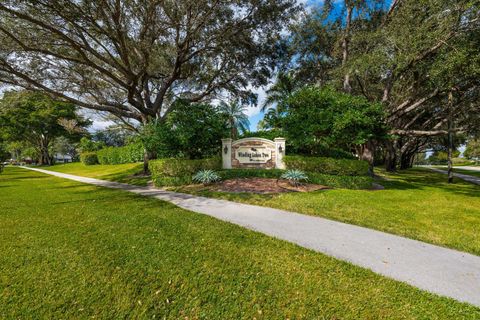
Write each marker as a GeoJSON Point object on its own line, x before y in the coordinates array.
{"type": "Point", "coordinates": [334, 181]}
{"type": "Point", "coordinates": [117, 155]}
{"type": "Point", "coordinates": [175, 172]}
{"type": "Point", "coordinates": [331, 166]}
{"type": "Point", "coordinates": [89, 158]}
{"type": "Point", "coordinates": [250, 173]}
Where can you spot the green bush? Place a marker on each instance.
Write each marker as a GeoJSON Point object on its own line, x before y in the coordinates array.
{"type": "Point", "coordinates": [117, 155]}
{"type": "Point", "coordinates": [174, 172]}
{"type": "Point", "coordinates": [330, 166]}
{"type": "Point", "coordinates": [250, 173]}
{"type": "Point", "coordinates": [89, 158]}
{"type": "Point", "coordinates": [334, 181]}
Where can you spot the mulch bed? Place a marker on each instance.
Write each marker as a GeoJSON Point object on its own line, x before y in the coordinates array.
{"type": "Point", "coordinates": [263, 185]}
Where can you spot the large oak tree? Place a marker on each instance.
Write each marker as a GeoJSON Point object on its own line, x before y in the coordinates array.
{"type": "Point", "coordinates": [419, 58]}
{"type": "Point", "coordinates": [133, 59]}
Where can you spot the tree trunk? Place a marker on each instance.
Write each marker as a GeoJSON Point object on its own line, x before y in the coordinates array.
{"type": "Point", "coordinates": [45, 158]}
{"type": "Point", "coordinates": [390, 156]}
{"type": "Point", "coordinates": [345, 47]}
{"type": "Point", "coordinates": [147, 156]}
{"type": "Point", "coordinates": [406, 160]}
{"type": "Point", "coordinates": [366, 152]}
{"type": "Point", "coordinates": [450, 139]}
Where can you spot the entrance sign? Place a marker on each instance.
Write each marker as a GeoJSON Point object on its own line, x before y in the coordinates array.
{"type": "Point", "coordinates": [253, 153]}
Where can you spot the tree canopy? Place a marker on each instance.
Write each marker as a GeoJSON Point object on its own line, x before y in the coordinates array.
{"type": "Point", "coordinates": [37, 119]}
{"type": "Point", "coordinates": [315, 119]}
{"type": "Point", "coordinates": [419, 58]}
{"type": "Point", "coordinates": [135, 59]}
{"type": "Point", "coordinates": [189, 131]}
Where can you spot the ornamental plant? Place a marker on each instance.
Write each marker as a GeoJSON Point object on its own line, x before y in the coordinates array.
{"type": "Point", "coordinates": [294, 177]}
{"type": "Point", "coordinates": [206, 177]}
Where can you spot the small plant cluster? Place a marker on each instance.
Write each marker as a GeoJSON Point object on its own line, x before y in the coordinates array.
{"type": "Point", "coordinates": [295, 177]}
{"type": "Point", "coordinates": [206, 177]}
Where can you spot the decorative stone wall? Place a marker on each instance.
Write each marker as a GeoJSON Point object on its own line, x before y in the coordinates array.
{"type": "Point", "coordinates": [254, 153]}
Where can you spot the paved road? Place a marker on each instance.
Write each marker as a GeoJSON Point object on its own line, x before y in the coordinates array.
{"type": "Point", "coordinates": [439, 270]}
{"type": "Point", "coordinates": [466, 177]}
{"type": "Point", "coordinates": [468, 168]}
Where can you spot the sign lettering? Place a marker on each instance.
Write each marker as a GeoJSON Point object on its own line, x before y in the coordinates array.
{"type": "Point", "coordinates": [253, 154]}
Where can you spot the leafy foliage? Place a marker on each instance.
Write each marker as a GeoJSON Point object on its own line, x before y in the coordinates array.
{"type": "Point", "coordinates": [473, 149]}
{"type": "Point", "coordinates": [113, 136]}
{"type": "Point", "coordinates": [190, 131]}
{"type": "Point", "coordinates": [334, 181]}
{"type": "Point", "coordinates": [236, 117]}
{"type": "Point", "coordinates": [117, 155]}
{"type": "Point", "coordinates": [89, 158]}
{"type": "Point", "coordinates": [319, 118]}
{"type": "Point", "coordinates": [284, 85]}
{"type": "Point", "coordinates": [64, 146]}
{"type": "Point", "coordinates": [4, 154]}
{"type": "Point", "coordinates": [88, 145]}
{"type": "Point", "coordinates": [206, 176]}
{"type": "Point", "coordinates": [343, 167]}
{"type": "Point", "coordinates": [250, 173]}
{"type": "Point", "coordinates": [132, 58]}
{"type": "Point", "coordinates": [295, 177]}
{"type": "Point", "coordinates": [174, 171]}
{"type": "Point", "coordinates": [37, 119]}
{"type": "Point", "coordinates": [409, 55]}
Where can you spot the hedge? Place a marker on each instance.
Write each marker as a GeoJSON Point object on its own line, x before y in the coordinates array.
{"type": "Point", "coordinates": [175, 172]}
{"type": "Point", "coordinates": [334, 181]}
{"type": "Point", "coordinates": [89, 158]}
{"type": "Point", "coordinates": [117, 155]}
{"type": "Point", "coordinates": [330, 166]}
{"type": "Point", "coordinates": [250, 173]}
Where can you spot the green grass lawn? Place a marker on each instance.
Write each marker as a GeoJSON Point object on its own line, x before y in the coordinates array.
{"type": "Point", "coordinates": [417, 204]}
{"type": "Point", "coordinates": [126, 173]}
{"type": "Point", "coordinates": [70, 250]}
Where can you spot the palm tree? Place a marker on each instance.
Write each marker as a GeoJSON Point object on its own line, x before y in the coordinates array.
{"type": "Point", "coordinates": [279, 91]}
{"type": "Point", "coordinates": [237, 117]}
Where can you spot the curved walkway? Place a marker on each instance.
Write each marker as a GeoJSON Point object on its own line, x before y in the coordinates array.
{"type": "Point", "coordinates": [466, 177]}
{"type": "Point", "coordinates": [439, 270]}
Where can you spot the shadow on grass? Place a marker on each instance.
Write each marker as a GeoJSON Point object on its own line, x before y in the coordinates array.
{"type": "Point", "coordinates": [422, 179]}
{"type": "Point", "coordinates": [29, 177]}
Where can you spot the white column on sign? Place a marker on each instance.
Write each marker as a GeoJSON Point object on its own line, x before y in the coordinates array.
{"type": "Point", "coordinates": [227, 153]}
{"type": "Point", "coordinates": [279, 152]}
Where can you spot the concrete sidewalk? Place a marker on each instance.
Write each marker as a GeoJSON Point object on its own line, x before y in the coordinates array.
{"type": "Point", "coordinates": [439, 270]}
{"type": "Point", "coordinates": [466, 177]}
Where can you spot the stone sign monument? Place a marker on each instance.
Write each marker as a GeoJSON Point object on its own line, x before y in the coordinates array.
{"type": "Point", "coordinates": [253, 153]}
